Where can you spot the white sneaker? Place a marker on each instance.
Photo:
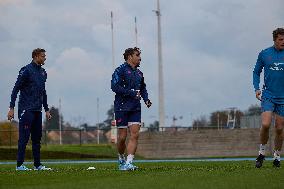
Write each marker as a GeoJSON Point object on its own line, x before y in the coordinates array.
{"type": "Point", "coordinates": [42, 168]}
{"type": "Point", "coordinates": [130, 167]}
{"type": "Point", "coordinates": [22, 168]}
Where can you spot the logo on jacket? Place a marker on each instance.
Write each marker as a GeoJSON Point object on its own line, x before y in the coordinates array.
{"type": "Point", "coordinates": [277, 66]}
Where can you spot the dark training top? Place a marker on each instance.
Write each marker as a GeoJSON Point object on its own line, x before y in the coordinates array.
{"type": "Point", "coordinates": [126, 81]}
{"type": "Point", "coordinates": [31, 84]}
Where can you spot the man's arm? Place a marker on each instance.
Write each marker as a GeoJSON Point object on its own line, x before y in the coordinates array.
{"type": "Point", "coordinates": [144, 94]}
{"type": "Point", "coordinates": [257, 71]}
{"type": "Point", "coordinates": [256, 75]}
{"type": "Point", "coordinates": [45, 105]}
{"type": "Point", "coordinates": [116, 85]}
{"type": "Point", "coordinates": [22, 77]}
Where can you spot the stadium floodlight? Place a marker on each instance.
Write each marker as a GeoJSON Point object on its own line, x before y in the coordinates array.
{"type": "Point", "coordinates": [60, 123]}
{"type": "Point", "coordinates": [160, 71]}
{"type": "Point", "coordinates": [113, 128]}
{"type": "Point", "coordinates": [136, 32]}
{"type": "Point", "coordinates": [98, 121]}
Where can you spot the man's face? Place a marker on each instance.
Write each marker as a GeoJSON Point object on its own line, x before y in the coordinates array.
{"type": "Point", "coordinates": [136, 58]}
{"type": "Point", "coordinates": [279, 42]}
{"type": "Point", "coordinates": [40, 58]}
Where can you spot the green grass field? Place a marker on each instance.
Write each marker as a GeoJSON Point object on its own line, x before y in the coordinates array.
{"type": "Point", "coordinates": [93, 151]}
{"type": "Point", "coordinates": [183, 175]}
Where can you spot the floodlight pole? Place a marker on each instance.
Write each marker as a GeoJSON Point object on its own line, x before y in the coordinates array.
{"type": "Point", "coordinates": [60, 124]}
{"type": "Point", "coordinates": [112, 40]}
{"type": "Point", "coordinates": [113, 128]}
{"type": "Point", "coordinates": [160, 71]}
{"type": "Point", "coordinates": [136, 32]}
{"type": "Point", "coordinates": [98, 120]}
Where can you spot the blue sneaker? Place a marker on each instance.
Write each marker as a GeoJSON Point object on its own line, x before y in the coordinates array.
{"type": "Point", "coordinates": [22, 168]}
{"type": "Point", "coordinates": [130, 167]}
{"type": "Point", "coordinates": [121, 165]}
{"type": "Point", "coordinates": [42, 168]}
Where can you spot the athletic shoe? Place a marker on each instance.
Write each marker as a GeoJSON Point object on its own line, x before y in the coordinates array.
{"type": "Point", "coordinates": [22, 168]}
{"type": "Point", "coordinates": [259, 161]}
{"type": "Point", "coordinates": [42, 168]}
{"type": "Point", "coordinates": [276, 163]}
{"type": "Point", "coordinates": [130, 167]}
{"type": "Point", "coordinates": [121, 165]}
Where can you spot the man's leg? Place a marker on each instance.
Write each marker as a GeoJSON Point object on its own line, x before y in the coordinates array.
{"type": "Point", "coordinates": [121, 138]}
{"type": "Point", "coordinates": [133, 140]}
{"type": "Point", "coordinates": [278, 141]}
{"type": "Point", "coordinates": [36, 134]}
{"type": "Point", "coordinates": [121, 123]}
{"type": "Point", "coordinates": [25, 120]}
{"type": "Point", "coordinates": [279, 125]}
{"type": "Point", "coordinates": [132, 146]}
{"type": "Point", "coordinates": [134, 125]}
{"type": "Point", "coordinates": [266, 118]}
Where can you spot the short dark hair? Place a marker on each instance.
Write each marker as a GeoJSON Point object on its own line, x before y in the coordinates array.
{"type": "Point", "coordinates": [37, 51]}
{"type": "Point", "coordinates": [278, 31]}
{"type": "Point", "coordinates": [130, 51]}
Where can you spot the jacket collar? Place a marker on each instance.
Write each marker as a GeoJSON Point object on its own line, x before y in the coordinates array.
{"type": "Point", "coordinates": [35, 65]}
{"type": "Point", "coordinates": [130, 66]}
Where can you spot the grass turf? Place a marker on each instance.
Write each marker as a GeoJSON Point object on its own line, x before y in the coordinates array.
{"type": "Point", "coordinates": [183, 175]}
{"type": "Point", "coordinates": [101, 151]}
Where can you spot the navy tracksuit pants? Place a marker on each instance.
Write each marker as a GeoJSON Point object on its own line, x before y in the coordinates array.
{"type": "Point", "coordinates": [30, 123]}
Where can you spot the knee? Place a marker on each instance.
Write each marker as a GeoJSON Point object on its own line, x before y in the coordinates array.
{"type": "Point", "coordinates": [265, 125]}
{"type": "Point", "coordinates": [23, 141]}
{"type": "Point", "coordinates": [134, 135]}
{"type": "Point", "coordinates": [36, 140]}
{"type": "Point", "coordinates": [121, 139]}
{"type": "Point", "coordinates": [278, 131]}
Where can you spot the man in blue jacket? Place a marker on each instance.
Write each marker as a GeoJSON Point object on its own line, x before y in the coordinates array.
{"type": "Point", "coordinates": [129, 86]}
{"type": "Point", "coordinates": [272, 95]}
{"type": "Point", "coordinates": [31, 84]}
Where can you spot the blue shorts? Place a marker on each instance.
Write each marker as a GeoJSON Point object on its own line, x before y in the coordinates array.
{"type": "Point", "coordinates": [267, 104]}
{"type": "Point", "coordinates": [125, 119]}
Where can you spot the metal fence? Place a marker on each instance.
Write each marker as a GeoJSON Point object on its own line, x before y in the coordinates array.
{"type": "Point", "coordinates": [102, 136]}
{"type": "Point", "coordinates": [10, 137]}
{"type": "Point", "coordinates": [253, 121]}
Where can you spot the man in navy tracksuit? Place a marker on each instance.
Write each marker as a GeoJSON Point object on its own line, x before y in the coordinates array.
{"type": "Point", "coordinates": [31, 84]}
{"type": "Point", "coordinates": [129, 86]}
{"type": "Point", "coordinates": [272, 97]}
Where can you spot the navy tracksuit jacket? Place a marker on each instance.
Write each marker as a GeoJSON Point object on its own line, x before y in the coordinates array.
{"type": "Point", "coordinates": [125, 83]}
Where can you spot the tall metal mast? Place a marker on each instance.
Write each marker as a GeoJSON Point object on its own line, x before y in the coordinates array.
{"type": "Point", "coordinates": [60, 122]}
{"type": "Point", "coordinates": [113, 128]}
{"type": "Point", "coordinates": [112, 41]}
{"type": "Point", "coordinates": [98, 121]}
{"type": "Point", "coordinates": [136, 33]}
{"type": "Point", "coordinates": [160, 70]}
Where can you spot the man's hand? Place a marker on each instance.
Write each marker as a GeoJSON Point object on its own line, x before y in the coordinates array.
{"type": "Point", "coordinates": [148, 103]}
{"type": "Point", "coordinates": [138, 95]}
{"type": "Point", "coordinates": [258, 95]}
{"type": "Point", "coordinates": [48, 115]}
{"type": "Point", "coordinates": [10, 115]}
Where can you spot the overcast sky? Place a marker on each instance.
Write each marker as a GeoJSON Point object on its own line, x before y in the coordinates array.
{"type": "Point", "coordinates": [209, 51]}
